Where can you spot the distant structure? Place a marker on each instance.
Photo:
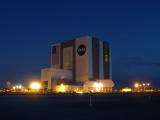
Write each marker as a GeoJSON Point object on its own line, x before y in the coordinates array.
{"type": "Point", "coordinates": [80, 64]}
{"type": "Point", "coordinates": [8, 84]}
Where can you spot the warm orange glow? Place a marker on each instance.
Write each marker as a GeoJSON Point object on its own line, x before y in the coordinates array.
{"type": "Point", "coordinates": [126, 90]}
{"type": "Point", "coordinates": [80, 92]}
{"type": "Point", "coordinates": [13, 87]}
{"type": "Point", "coordinates": [136, 85]}
{"type": "Point", "coordinates": [98, 86]}
{"type": "Point", "coordinates": [61, 88]}
{"type": "Point", "coordinates": [35, 85]}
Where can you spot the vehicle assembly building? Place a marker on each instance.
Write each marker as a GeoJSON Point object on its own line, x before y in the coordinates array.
{"type": "Point", "coordinates": [80, 64]}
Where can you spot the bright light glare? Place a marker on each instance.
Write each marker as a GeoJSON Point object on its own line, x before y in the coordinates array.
{"type": "Point", "coordinates": [126, 90]}
{"type": "Point", "coordinates": [62, 88]}
{"type": "Point", "coordinates": [14, 87]}
{"type": "Point", "coordinates": [80, 92]}
{"type": "Point", "coordinates": [136, 85]}
{"type": "Point", "coordinates": [148, 84]}
{"type": "Point", "coordinates": [98, 86]}
{"type": "Point", "coordinates": [35, 85]}
{"type": "Point", "coordinates": [18, 87]}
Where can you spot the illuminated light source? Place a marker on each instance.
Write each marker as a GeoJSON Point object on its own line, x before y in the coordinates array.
{"type": "Point", "coordinates": [80, 92]}
{"type": "Point", "coordinates": [136, 85]}
{"type": "Point", "coordinates": [143, 84]}
{"type": "Point", "coordinates": [148, 84]}
{"type": "Point", "coordinates": [98, 86]}
{"type": "Point", "coordinates": [20, 86]}
{"type": "Point", "coordinates": [61, 88]}
{"type": "Point", "coordinates": [13, 87]}
{"type": "Point", "coordinates": [17, 87]}
{"type": "Point", "coordinates": [35, 85]}
{"type": "Point", "coordinates": [126, 90]}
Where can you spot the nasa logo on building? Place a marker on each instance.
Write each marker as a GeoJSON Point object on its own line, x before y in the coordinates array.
{"type": "Point", "coordinates": [81, 50]}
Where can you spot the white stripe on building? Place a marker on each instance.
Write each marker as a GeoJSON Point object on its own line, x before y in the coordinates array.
{"type": "Point", "coordinates": [90, 58]}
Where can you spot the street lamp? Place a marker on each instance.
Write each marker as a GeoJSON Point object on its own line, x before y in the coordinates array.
{"type": "Point", "coordinates": [148, 84]}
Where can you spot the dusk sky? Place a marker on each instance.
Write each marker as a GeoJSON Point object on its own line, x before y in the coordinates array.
{"type": "Point", "coordinates": [28, 28]}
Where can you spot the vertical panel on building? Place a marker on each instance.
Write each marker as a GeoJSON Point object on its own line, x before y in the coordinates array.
{"type": "Point", "coordinates": [106, 60]}
{"type": "Point", "coordinates": [67, 54]}
{"type": "Point", "coordinates": [82, 59]}
{"type": "Point", "coordinates": [95, 50]}
{"type": "Point", "coordinates": [68, 58]}
{"type": "Point", "coordinates": [90, 60]}
{"type": "Point", "coordinates": [55, 57]}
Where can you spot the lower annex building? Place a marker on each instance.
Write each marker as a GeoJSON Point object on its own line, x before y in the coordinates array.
{"type": "Point", "coordinates": [80, 64]}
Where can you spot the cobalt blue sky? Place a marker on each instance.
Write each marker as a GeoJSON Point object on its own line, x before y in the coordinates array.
{"type": "Point", "coordinates": [28, 28]}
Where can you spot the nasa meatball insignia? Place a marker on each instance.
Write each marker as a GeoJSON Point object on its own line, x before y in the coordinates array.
{"type": "Point", "coordinates": [81, 50]}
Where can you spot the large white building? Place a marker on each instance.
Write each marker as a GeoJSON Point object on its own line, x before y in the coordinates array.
{"type": "Point", "coordinates": [82, 61]}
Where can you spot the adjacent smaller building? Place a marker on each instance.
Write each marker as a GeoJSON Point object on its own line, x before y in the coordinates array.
{"type": "Point", "coordinates": [51, 77]}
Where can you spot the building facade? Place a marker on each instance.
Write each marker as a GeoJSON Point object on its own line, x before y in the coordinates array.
{"type": "Point", "coordinates": [87, 58]}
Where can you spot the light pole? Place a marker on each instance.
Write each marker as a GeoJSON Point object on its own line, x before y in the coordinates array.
{"type": "Point", "coordinates": [90, 98]}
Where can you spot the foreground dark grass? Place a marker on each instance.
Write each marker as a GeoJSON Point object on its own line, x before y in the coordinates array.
{"type": "Point", "coordinates": [134, 106]}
